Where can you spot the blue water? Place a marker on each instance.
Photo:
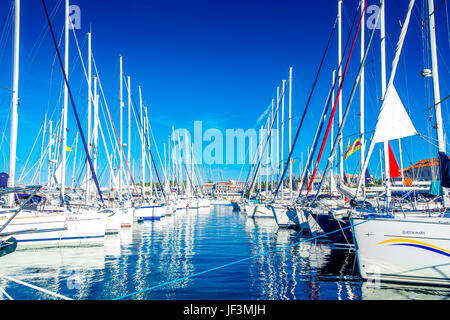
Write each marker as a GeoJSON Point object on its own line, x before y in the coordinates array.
{"type": "Point", "coordinates": [159, 253]}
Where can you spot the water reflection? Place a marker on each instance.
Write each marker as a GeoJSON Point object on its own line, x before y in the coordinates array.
{"type": "Point", "coordinates": [289, 271]}
{"type": "Point", "coordinates": [283, 265]}
{"type": "Point", "coordinates": [341, 271]}
{"type": "Point", "coordinates": [391, 291]}
{"type": "Point", "coordinates": [66, 270]}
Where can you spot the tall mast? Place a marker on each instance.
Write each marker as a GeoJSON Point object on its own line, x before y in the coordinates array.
{"type": "Point", "coordinates": [436, 90]}
{"type": "Point", "coordinates": [401, 160]}
{"type": "Point", "coordinates": [341, 145]}
{"type": "Point", "coordinates": [64, 130]}
{"type": "Point", "coordinates": [332, 141]}
{"type": "Point", "coordinates": [89, 131]}
{"type": "Point", "coordinates": [50, 143]}
{"type": "Point", "coordinates": [147, 134]}
{"type": "Point", "coordinates": [282, 135]}
{"type": "Point", "coordinates": [290, 131]}
{"type": "Point", "coordinates": [361, 96]}
{"type": "Point", "coordinates": [165, 168]}
{"type": "Point", "coordinates": [42, 148]}
{"type": "Point", "coordinates": [387, 174]}
{"type": "Point", "coordinates": [74, 160]}
{"type": "Point", "coordinates": [267, 158]}
{"type": "Point", "coordinates": [129, 121]}
{"type": "Point", "coordinates": [180, 162]}
{"type": "Point", "coordinates": [142, 144]}
{"type": "Point", "coordinates": [277, 137]}
{"type": "Point", "coordinates": [95, 130]}
{"type": "Point", "coordinates": [271, 150]}
{"type": "Point", "coordinates": [121, 128]}
{"type": "Point", "coordinates": [14, 104]}
{"type": "Point", "coordinates": [187, 162]}
{"type": "Point", "coordinates": [260, 155]}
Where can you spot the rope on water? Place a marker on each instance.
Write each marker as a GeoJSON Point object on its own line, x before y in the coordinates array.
{"type": "Point", "coordinates": [241, 260]}
{"type": "Point", "coordinates": [54, 294]}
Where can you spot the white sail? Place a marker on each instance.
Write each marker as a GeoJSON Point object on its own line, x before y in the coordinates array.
{"type": "Point", "coordinates": [57, 175]}
{"type": "Point", "coordinates": [393, 121]}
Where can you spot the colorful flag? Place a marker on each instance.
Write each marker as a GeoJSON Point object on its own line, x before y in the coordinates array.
{"type": "Point", "coordinates": [355, 147]}
{"type": "Point", "coordinates": [393, 165]}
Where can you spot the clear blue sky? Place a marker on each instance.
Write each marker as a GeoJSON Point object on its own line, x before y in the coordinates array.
{"type": "Point", "coordinates": [216, 61]}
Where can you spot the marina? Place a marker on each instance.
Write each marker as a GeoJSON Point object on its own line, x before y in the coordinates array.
{"type": "Point", "coordinates": [177, 247]}
{"type": "Point", "coordinates": [134, 188]}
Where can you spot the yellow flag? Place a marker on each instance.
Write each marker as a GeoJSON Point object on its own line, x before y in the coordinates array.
{"type": "Point", "coordinates": [355, 147]}
{"type": "Point", "coordinates": [68, 149]}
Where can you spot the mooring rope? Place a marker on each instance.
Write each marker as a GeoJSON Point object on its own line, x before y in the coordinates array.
{"type": "Point", "coordinates": [241, 260]}
{"type": "Point", "coordinates": [35, 287]}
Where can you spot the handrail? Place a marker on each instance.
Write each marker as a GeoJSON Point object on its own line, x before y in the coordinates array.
{"type": "Point", "coordinates": [10, 190]}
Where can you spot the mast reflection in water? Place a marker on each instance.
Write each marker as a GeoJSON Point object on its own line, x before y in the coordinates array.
{"type": "Point", "coordinates": [191, 241]}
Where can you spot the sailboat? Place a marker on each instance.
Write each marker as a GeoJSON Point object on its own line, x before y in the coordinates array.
{"type": "Point", "coordinates": [407, 248]}
{"type": "Point", "coordinates": [34, 227]}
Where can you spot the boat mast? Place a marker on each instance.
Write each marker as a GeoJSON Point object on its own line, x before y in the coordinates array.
{"type": "Point", "coordinates": [129, 120]}
{"type": "Point", "coordinates": [401, 160]}
{"type": "Point", "coordinates": [277, 137]}
{"type": "Point", "coordinates": [74, 161]}
{"type": "Point", "coordinates": [66, 101]}
{"type": "Point", "coordinates": [387, 174]}
{"type": "Point", "coordinates": [50, 143]}
{"type": "Point", "coordinates": [260, 155]}
{"type": "Point", "coordinates": [361, 98]}
{"type": "Point", "coordinates": [271, 150]}
{"type": "Point", "coordinates": [89, 131]}
{"type": "Point", "coordinates": [95, 130]}
{"type": "Point", "coordinates": [147, 136]}
{"type": "Point", "coordinates": [332, 186]}
{"type": "Point", "coordinates": [121, 127]}
{"type": "Point", "coordinates": [282, 136]}
{"type": "Point", "coordinates": [186, 161]}
{"type": "Point", "coordinates": [341, 145]}
{"type": "Point", "coordinates": [142, 144]}
{"type": "Point", "coordinates": [42, 148]}
{"type": "Point", "coordinates": [180, 160]}
{"type": "Point", "coordinates": [290, 131]}
{"type": "Point", "coordinates": [436, 90]}
{"type": "Point", "coordinates": [14, 104]}
{"type": "Point", "coordinates": [267, 159]}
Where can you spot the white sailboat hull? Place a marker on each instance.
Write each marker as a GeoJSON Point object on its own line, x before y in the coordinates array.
{"type": "Point", "coordinates": [286, 217]}
{"type": "Point", "coordinates": [262, 211]}
{"type": "Point", "coordinates": [126, 218]}
{"type": "Point", "coordinates": [249, 209]}
{"type": "Point", "coordinates": [150, 212]}
{"type": "Point", "coordinates": [58, 229]}
{"type": "Point", "coordinates": [410, 250]}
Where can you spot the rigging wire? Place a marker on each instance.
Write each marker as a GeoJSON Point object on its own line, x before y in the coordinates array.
{"type": "Point", "coordinates": [29, 155]}
{"type": "Point", "coordinates": [307, 106]}
{"type": "Point", "coordinates": [73, 104]}
{"type": "Point", "coordinates": [7, 29]}
{"type": "Point", "coordinates": [114, 127]}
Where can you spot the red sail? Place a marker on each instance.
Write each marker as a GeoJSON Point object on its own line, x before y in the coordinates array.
{"type": "Point", "coordinates": [393, 165]}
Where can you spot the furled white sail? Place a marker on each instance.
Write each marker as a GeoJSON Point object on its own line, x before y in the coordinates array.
{"type": "Point", "coordinates": [57, 175]}
{"type": "Point", "coordinates": [393, 121]}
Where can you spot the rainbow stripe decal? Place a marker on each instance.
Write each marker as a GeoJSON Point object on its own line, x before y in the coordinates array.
{"type": "Point", "coordinates": [416, 244]}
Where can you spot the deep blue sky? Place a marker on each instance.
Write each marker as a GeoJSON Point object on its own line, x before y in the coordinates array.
{"type": "Point", "coordinates": [215, 61]}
